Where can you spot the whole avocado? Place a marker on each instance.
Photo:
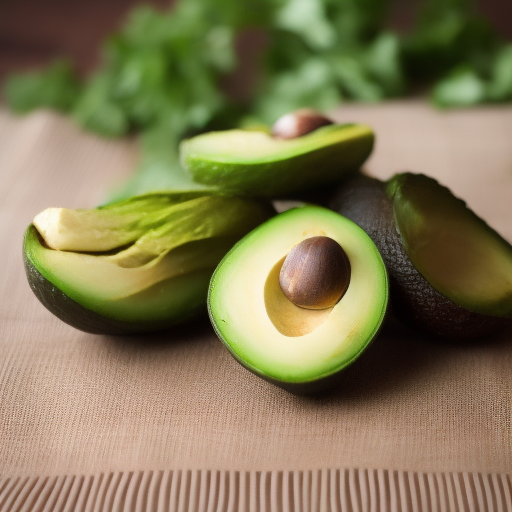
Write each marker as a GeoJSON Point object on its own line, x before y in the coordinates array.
{"type": "Point", "coordinates": [369, 203]}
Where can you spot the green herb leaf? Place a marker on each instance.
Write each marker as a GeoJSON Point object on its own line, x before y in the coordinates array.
{"type": "Point", "coordinates": [55, 87]}
{"type": "Point", "coordinates": [462, 88]}
{"type": "Point", "coordinates": [97, 112]}
{"type": "Point", "coordinates": [307, 19]}
{"type": "Point", "coordinates": [383, 62]}
{"type": "Point", "coordinates": [500, 88]}
{"type": "Point", "coordinates": [313, 84]}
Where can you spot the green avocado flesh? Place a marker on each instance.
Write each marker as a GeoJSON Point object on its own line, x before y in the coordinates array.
{"type": "Point", "coordinates": [271, 336]}
{"type": "Point", "coordinates": [457, 253]}
{"type": "Point", "coordinates": [111, 226]}
{"type": "Point", "coordinates": [256, 164]}
{"type": "Point", "coordinates": [146, 261]}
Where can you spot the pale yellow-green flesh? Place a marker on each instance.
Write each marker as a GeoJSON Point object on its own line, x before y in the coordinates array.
{"type": "Point", "coordinates": [172, 300]}
{"type": "Point", "coordinates": [458, 254]}
{"type": "Point", "coordinates": [146, 258]}
{"type": "Point", "coordinates": [242, 146]}
{"type": "Point", "coordinates": [165, 291]}
{"type": "Point", "coordinates": [302, 345]}
{"type": "Point", "coordinates": [100, 278]}
{"type": "Point", "coordinates": [99, 283]}
{"type": "Point", "coordinates": [112, 226]}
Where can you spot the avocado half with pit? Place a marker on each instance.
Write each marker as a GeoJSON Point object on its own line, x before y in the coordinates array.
{"type": "Point", "coordinates": [450, 273]}
{"type": "Point", "coordinates": [254, 163]}
{"type": "Point", "coordinates": [140, 265]}
{"type": "Point", "coordinates": [301, 350]}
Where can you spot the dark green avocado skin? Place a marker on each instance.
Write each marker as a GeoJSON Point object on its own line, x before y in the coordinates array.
{"type": "Point", "coordinates": [364, 200]}
{"type": "Point", "coordinates": [75, 315]}
{"type": "Point", "coordinates": [67, 309]}
{"type": "Point", "coordinates": [79, 317]}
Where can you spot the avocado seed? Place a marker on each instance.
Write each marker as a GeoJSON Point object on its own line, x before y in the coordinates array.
{"type": "Point", "coordinates": [298, 123]}
{"type": "Point", "coordinates": [316, 273]}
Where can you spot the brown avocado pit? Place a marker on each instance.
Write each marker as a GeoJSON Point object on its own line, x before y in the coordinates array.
{"type": "Point", "coordinates": [299, 123]}
{"type": "Point", "coordinates": [288, 318]}
{"type": "Point", "coordinates": [316, 273]}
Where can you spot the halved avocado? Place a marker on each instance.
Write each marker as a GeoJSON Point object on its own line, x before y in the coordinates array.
{"type": "Point", "coordinates": [302, 350]}
{"type": "Point", "coordinates": [451, 274]}
{"type": "Point", "coordinates": [140, 265]}
{"type": "Point", "coordinates": [254, 163]}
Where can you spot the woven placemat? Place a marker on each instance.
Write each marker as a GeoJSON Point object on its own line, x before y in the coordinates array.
{"type": "Point", "coordinates": [76, 407]}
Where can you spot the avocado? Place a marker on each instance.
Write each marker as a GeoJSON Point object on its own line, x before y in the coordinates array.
{"type": "Point", "coordinates": [254, 163]}
{"type": "Point", "coordinates": [301, 350]}
{"type": "Point", "coordinates": [450, 273]}
{"type": "Point", "coordinates": [140, 265]}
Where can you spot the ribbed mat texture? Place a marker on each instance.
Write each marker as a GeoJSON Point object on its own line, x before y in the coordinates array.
{"type": "Point", "coordinates": [276, 491]}
{"type": "Point", "coordinates": [105, 412]}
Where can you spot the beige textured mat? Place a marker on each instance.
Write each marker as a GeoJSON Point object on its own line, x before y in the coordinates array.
{"type": "Point", "coordinates": [422, 421]}
{"type": "Point", "coordinates": [273, 491]}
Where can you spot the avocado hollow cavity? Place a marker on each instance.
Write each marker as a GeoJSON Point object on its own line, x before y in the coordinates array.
{"type": "Point", "coordinates": [289, 319]}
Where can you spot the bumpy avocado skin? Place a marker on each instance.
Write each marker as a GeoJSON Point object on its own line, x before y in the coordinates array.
{"type": "Point", "coordinates": [75, 315]}
{"type": "Point", "coordinates": [364, 200]}
{"type": "Point", "coordinates": [79, 317]}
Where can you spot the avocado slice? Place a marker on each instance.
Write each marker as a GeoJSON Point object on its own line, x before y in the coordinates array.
{"type": "Point", "coordinates": [140, 265]}
{"type": "Point", "coordinates": [301, 350]}
{"type": "Point", "coordinates": [456, 251]}
{"type": "Point", "coordinates": [450, 273]}
{"type": "Point", "coordinates": [254, 163]}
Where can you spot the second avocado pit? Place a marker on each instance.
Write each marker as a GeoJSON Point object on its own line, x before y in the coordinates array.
{"type": "Point", "coordinates": [316, 273]}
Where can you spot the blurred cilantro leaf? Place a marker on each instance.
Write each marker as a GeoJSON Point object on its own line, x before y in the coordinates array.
{"type": "Point", "coordinates": [448, 34]}
{"type": "Point", "coordinates": [307, 18]}
{"type": "Point", "coordinates": [384, 64]}
{"type": "Point", "coordinates": [97, 112]}
{"type": "Point", "coordinates": [500, 86]}
{"type": "Point", "coordinates": [56, 87]}
{"type": "Point", "coordinates": [313, 83]}
{"type": "Point", "coordinates": [158, 169]}
{"type": "Point", "coordinates": [462, 88]}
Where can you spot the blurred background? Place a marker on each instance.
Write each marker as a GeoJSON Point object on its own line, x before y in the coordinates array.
{"type": "Point", "coordinates": [33, 33]}
{"type": "Point", "coordinates": [166, 71]}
